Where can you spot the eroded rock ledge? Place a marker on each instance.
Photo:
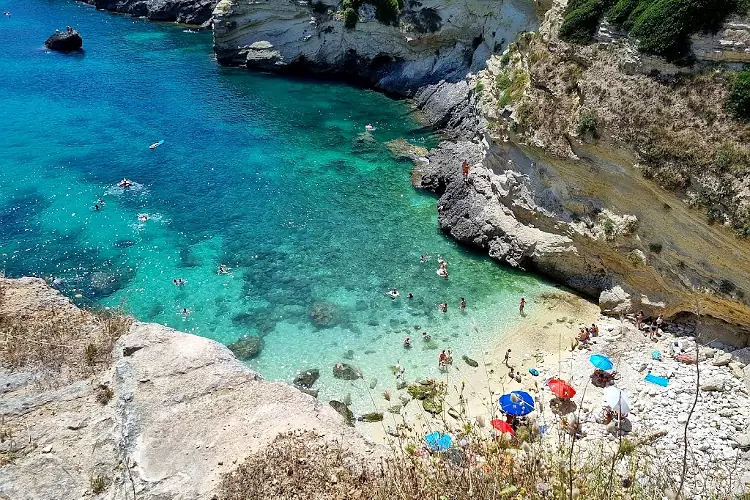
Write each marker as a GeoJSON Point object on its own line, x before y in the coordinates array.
{"type": "Point", "coordinates": [183, 412]}
{"type": "Point", "coordinates": [181, 11]}
{"type": "Point", "coordinates": [433, 41]}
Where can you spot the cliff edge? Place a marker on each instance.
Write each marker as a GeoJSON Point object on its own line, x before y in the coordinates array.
{"type": "Point", "coordinates": [163, 414]}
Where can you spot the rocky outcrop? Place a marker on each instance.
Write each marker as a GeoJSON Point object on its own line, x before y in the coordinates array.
{"type": "Point", "coordinates": [170, 415]}
{"type": "Point", "coordinates": [431, 41]}
{"type": "Point", "coordinates": [181, 11]}
{"type": "Point", "coordinates": [65, 41]}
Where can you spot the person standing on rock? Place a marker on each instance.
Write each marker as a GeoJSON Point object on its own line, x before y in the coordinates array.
{"type": "Point", "coordinates": [522, 305]}
{"type": "Point", "coordinates": [465, 168]}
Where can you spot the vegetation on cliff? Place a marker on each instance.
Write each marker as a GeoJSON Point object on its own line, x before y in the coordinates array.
{"type": "Point", "coordinates": [690, 135]}
{"type": "Point", "coordinates": [386, 11]}
{"type": "Point", "coordinates": [662, 27]}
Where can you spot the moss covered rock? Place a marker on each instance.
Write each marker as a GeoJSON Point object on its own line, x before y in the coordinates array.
{"type": "Point", "coordinates": [375, 416]}
{"type": "Point", "coordinates": [469, 361]}
{"type": "Point", "coordinates": [432, 405]}
{"type": "Point", "coordinates": [344, 411]}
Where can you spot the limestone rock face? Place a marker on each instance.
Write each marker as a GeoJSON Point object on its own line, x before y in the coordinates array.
{"type": "Point", "coordinates": [433, 41]}
{"type": "Point", "coordinates": [181, 11]}
{"type": "Point", "coordinates": [183, 410]}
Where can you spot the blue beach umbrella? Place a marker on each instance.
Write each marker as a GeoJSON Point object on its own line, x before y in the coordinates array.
{"type": "Point", "coordinates": [601, 361]}
{"type": "Point", "coordinates": [438, 441]}
{"type": "Point", "coordinates": [517, 403]}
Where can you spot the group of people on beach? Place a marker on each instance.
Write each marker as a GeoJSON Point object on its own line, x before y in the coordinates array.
{"type": "Point", "coordinates": [652, 328]}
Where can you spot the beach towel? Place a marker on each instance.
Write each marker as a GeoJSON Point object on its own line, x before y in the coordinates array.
{"type": "Point", "coordinates": [662, 381]}
{"type": "Point", "coordinates": [534, 371]}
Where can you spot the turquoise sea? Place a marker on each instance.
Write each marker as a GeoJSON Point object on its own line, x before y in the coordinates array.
{"type": "Point", "coordinates": [273, 177]}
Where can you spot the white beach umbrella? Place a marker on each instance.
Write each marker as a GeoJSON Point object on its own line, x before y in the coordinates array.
{"type": "Point", "coordinates": [617, 399]}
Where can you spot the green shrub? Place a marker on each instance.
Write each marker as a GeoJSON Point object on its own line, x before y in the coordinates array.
{"type": "Point", "coordinates": [387, 11]}
{"type": "Point", "coordinates": [98, 484]}
{"type": "Point", "coordinates": [581, 19]}
{"type": "Point", "coordinates": [587, 124]}
{"type": "Point", "coordinates": [739, 96]}
{"type": "Point", "coordinates": [319, 7]}
{"type": "Point", "coordinates": [655, 247]}
{"type": "Point", "coordinates": [350, 18]}
{"type": "Point", "coordinates": [505, 59]}
{"type": "Point", "coordinates": [479, 88]}
{"type": "Point", "coordinates": [663, 27]}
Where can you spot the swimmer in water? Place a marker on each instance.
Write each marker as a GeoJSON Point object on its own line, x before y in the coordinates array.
{"type": "Point", "coordinates": [96, 207]}
{"type": "Point", "coordinates": [185, 312]}
{"type": "Point", "coordinates": [125, 183]}
{"type": "Point", "coordinates": [142, 217]}
{"type": "Point", "coordinates": [463, 303]}
{"type": "Point", "coordinates": [369, 127]}
{"type": "Point", "coordinates": [410, 296]}
{"type": "Point", "coordinates": [223, 269]}
{"type": "Point", "coordinates": [443, 307]}
{"type": "Point", "coordinates": [426, 336]}
{"type": "Point", "coordinates": [393, 293]}
{"type": "Point", "coordinates": [407, 343]}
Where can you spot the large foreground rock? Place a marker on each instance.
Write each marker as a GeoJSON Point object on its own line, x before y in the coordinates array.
{"type": "Point", "coordinates": [65, 41]}
{"type": "Point", "coordinates": [183, 411]}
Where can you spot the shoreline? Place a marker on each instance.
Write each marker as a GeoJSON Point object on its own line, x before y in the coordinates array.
{"type": "Point", "coordinates": [474, 391]}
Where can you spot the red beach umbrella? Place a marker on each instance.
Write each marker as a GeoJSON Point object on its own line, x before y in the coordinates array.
{"type": "Point", "coordinates": [561, 388]}
{"type": "Point", "coordinates": [502, 426]}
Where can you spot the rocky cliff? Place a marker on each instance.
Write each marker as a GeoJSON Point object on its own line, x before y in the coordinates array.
{"type": "Point", "coordinates": [430, 40]}
{"type": "Point", "coordinates": [594, 172]}
{"type": "Point", "coordinates": [162, 415]}
{"type": "Point", "coordinates": [181, 11]}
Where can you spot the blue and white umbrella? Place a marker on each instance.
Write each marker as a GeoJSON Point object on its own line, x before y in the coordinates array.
{"type": "Point", "coordinates": [517, 403]}
{"type": "Point", "coordinates": [437, 441]}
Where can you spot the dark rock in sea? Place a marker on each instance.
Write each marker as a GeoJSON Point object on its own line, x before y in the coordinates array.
{"type": "Point", "coordinates": [65, 41]}
{"type": "Point", "coordinates": [349, 354]}
{"type": "Point", "coordinates": [347, 372]}
{"type": "Point", "coordinates": [344, 411]}
{"type": "Point", "coordinates": [247, 347]}
{"type": "Point", "coordinates": [307, 378]}
{"type": "Point", "coordinates": [324, 314]}
{"type": "Point", "coordinates": [469, 361]}
{"type": "Point", "coordinates": [375, 416]}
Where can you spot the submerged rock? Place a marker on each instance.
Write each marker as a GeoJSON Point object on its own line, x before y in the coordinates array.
{"type": "Point", "coordinates": [324, 314]}
{"type": "Point", "coordinates": [247, 347]}
{"type": "Point", "coordinates": [469, 361]}
{"type": "Point", "coordinates": [307, 378]}
{"type": "Point", "coordinates": [347, 372]}
{"type": "Point", "coordinates": [344, 411]}
{"type": "Point", "coordinates": [65, 41]}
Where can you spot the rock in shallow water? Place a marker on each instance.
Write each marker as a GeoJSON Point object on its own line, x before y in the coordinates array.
{"type": "Point", "coordinates": [307, 378]}
{"type": "Point", "coordinates": [247, 347]}
{"type": "Point", "coordinates": [346, 371]}
{"type": "Point", "coordinates": [66, 41]}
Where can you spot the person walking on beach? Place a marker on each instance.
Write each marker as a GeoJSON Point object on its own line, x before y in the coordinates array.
{"type": "Point", "coordinates": [522, 305]}
{"type": "Point", "coordinates": [506, 359]}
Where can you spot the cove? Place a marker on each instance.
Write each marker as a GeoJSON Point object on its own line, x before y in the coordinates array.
{"type": "Point", "coordinates": [275, 178]}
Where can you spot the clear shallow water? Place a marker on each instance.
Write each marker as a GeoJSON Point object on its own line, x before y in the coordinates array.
{"type": "Point", "coordinates": [272, 177]}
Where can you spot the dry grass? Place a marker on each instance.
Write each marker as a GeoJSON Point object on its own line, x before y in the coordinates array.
{"type": "Point", "coordinates": [303, 465]}
{"type": "Point", "coordinates": [65, 344]}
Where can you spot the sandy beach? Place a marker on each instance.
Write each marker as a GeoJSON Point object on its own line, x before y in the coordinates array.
{"type": "Point", "coordinates": [541, 341]}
